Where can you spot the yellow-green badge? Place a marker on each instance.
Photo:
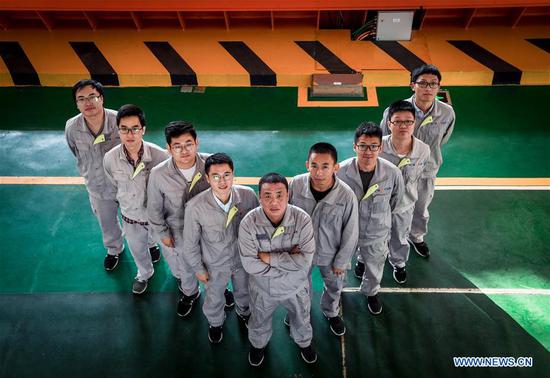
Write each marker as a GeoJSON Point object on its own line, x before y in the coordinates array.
{"type": "Point", "coordinates": [428, 119]}
{"type": "Point", "coordinates": [232, 212]}
{"type": "Point", "coordinates": [279, 231]}
{"type": "Point", "coordinates": [99, 139]}
{"type": "Point", "coordinates": [196, 178]}
{"type": "Point", "coordinates": [403, 162]}
{"type": "Point", "coordinates": [138, 169]}
{"type": "Point", "coordinates": [370, 191]}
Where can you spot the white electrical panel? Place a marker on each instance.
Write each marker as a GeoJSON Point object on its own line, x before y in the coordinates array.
{"type": "Point", "coordinates": [394, 25]}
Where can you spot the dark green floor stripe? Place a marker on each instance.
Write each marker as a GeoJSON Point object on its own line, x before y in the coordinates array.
{"type": "Point", "coordinates": [504, 72]}
{"type": "Point", "coordinates": [180, 72]}
{"type": "Point", "coordinates": [541, 43]}
{"type": "Point", "coordinates": [321, 54]}
{"type": "Point", "coordinates": [99, 67]}
{"type": "Point", "coordinates": [260, 73]}
{"type": "Point", "coordinates": [401, 54]}
{"type": "Point", "coordinates": [20, 67]}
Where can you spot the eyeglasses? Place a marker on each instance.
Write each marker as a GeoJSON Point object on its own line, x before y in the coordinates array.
{"type": "Point", "coordinates": [399, 123]}
{"type": "Point", "coordinates": [425, 84]}
{"type": "Point", "coordinates": [363, 147]}
{"type": "Point", "coordinates": [226, 177]}
{"type": "Point", "coordinates": [90, 99]}
{"type": "Point", "coordinates": [126, 130]}
{"type": "Point", "coordinates": [178, 148]}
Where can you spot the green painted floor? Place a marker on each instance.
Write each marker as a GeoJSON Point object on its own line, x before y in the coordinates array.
{"type": "Point", "coordinates": [61, 313]}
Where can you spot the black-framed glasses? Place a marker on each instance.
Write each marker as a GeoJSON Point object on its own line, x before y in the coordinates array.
{"type": "Point", "coordinates": [373, 147]}
{"type": "Point", "coordinates": [178, 148]}
{"type": "Point", "coordinates": [425, 84]}
{"type": "Point", "coordinates": [399, 123]}
{"type": "Point", "coordinates": [126, 130]}
{"type": "Point", "coordinates": [90, 99]}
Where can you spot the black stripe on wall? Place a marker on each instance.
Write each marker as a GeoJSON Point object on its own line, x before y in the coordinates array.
{"type": "Point", "coordinates": [541, 43]}
{"type": "Point", "coordinates": [21, 70]}
{"type": "Point", "coordinates": [95, 62]}
{"type": "Point", "coordinates": [325, 57]}
{"type": "Point", "coordinates": [504, 72]}
{"type": "Point", "coordinates": [398, 52]}
{"type": "Point", "coordinates": [180, 72]}
{"type": "Point", "coordinates": [260, 73]}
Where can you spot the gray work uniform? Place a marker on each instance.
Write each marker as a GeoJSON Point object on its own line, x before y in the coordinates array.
{"type": "Point", "coordinates": [167, 193]}
{"type": "Point", "coordinates": [433, 128]}
{"type": "Point", "coordinates": [89, 151]}
{"type": "Point", "coordinates": [336, 226]}
{"type": "Point", "coordinates": [375, 212]}
{"type": "Point", "coordinates": [131, 185]}
{"type": "Point", "coordinates": [282, 282]}
{"type": "Point", "coordinates": [211, 246]}
{"type": "Point", "coordinates": [412, 167]}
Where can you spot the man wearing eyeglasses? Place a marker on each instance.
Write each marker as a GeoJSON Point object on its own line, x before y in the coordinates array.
{"type": "Point", "coordinates": [127, 166]}
{"type": "Point", "coordinates": [276, 245]}
{"type": "Point", "coordinates": [90, 135]}
{"type": "Point", "coordinates": [434, 125]}
{"type": "Point", "coordinates": [211, 226]}
{"type": "Point", "coordinates": [378, 186]}
{"type": "Point", "coordinates": [410, 155]}
{"type": "Point", "coordinates": [171, 185]}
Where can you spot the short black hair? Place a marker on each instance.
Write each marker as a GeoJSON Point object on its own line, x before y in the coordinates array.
{"type": "Point", "coordinates": [176, 128]}
{"type": "Point", "coordinates": [217, 158]}
{"type": "Point", "coordinates": [272, 178]}
{"type": "Point", "coordinates": [323, 148]}
{"type": "Point", "coordinates": [370, 129]}
{"type": "Point", "coordinates": [426, 69]}
{"type": "Point", "coordinates": [401, 106]}
{"type": "Point", "coordinates": [84, 83]}
{"type": "Point", "coordinates": [130, 110]}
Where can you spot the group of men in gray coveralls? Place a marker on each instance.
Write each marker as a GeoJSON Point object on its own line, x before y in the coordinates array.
{"type": "Point", "coordinates": [214, 231]}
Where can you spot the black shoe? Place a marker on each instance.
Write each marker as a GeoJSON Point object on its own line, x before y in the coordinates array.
{"type": "Point", "coordinates": [185, 304]}
{"type": "Point", "coordinates": [421, 248]}
{"type": "Point", "coordinates": [139, 287]}
{"type": "Point", "coordinates": [399, 274]}
{"type": "Point", "coordinates": [215, 334]}
{"type": "Point", "coordinates": [243, 319]}
{"type": "Point", "coordinates": [374, 305]}
{"type": "Point", "coordinates": [155, 253]}
{"type": "Point", "coordinates": [359, 270]}
{"type": "Point", "coordinates": [256, 356]}
{"type": "Point", "coordinates": [309, 354]}
{"type": "Point", "coordinates": [111, 262]}
{"type": "Point", "coordinates": [337, 325]}
{"type": "Point", "coordinates": [229, 298]}
{"type": "Point", "coordinates": [286, 320]}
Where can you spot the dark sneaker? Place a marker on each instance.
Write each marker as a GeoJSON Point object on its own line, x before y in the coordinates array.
{"type": "Point", "coordinates": [286, 320]}
{"type": "Point", "coordinates": [215, 334]}
{"type": "Point", "coordinates": [256, 356]}
{"type": "Point", "coordinates": [421, 248]}
{"type": "Point", "coordinates": [185, 304]}
{"type": "Point", "coordinates": [155, 253]}
{"type": "Point", "coordinates": [309, 354]}
{"type": "Point", "coordinates": [337, 325]}
{"type": "Point", "coordinates": [374, 305]}
{"type": "Point", "coordinates": [243, 319]}
{"type": "Point", "coordinates": [111, 262]}
{"type": "Point", "coordinates": [229, 298]}
{"type": "Point", "coordinates": [139, 287]}
{"type": "Point", "coordinates": [399, 274]}
{"type": "Point", "coordinates": [359, 270]}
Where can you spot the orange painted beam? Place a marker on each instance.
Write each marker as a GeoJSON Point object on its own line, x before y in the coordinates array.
{"type": "Point", "coordinates": [254, 5]}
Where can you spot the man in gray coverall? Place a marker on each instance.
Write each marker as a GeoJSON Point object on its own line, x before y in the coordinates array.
{"type": "Point", "coordinates": [276, 244]}
{"type": "Point", "coordinates": [333, 209]}
{"type": "Point", "coordinates": [173, 183]}
{"type": "Point", "coordinates": [435, 121]}
{"type": "Point", "coordinates": [378, 186]}
{"type": "Point", "coordinates": [212, 221]}
{"type": "Point", "coordinates": [127, 166]}
{"type": "Point", "coordinates": [410, 155]}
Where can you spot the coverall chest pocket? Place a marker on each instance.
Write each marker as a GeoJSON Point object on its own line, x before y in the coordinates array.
{"type": "Point", "coordinates": [175, 198]}
{"type": "Point", "coordinates": [411, 173]}
{"type": "Point", "coordinates": [212, 233]}
{"type": "Point", "coordinates": [380, 207]}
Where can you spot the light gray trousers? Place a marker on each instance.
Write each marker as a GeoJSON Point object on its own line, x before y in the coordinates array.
{"type": "Point", "coordinates": [139, 240]}
{"type": "Point", "coordinates": [332, 290]}
{"type": "Point", "coordinates": [399, 246]}
{"type": "Point", "coordinates": [419, 227]}
{"type": "Point", "coordinates": [374, 257]}
{"type": "Point", "coordinates": [179, 267]}
{"type": "Point", "coordinates": [213, 306]}
{"type": "Point", "coordinates": [106, 212]}
{"type": "Point", "coordinates": [262, 307]}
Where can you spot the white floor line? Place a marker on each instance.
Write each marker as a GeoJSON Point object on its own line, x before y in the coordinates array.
{"type": "Point", "coordinates": [491, 187]}
{"type": "Point", "coordinates": [343, 347]}
{"type": "Point", "coordinates": [454, 290]}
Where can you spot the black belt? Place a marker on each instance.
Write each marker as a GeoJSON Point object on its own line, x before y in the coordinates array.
{"type": "Point", "coordinates": [131, 221]}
